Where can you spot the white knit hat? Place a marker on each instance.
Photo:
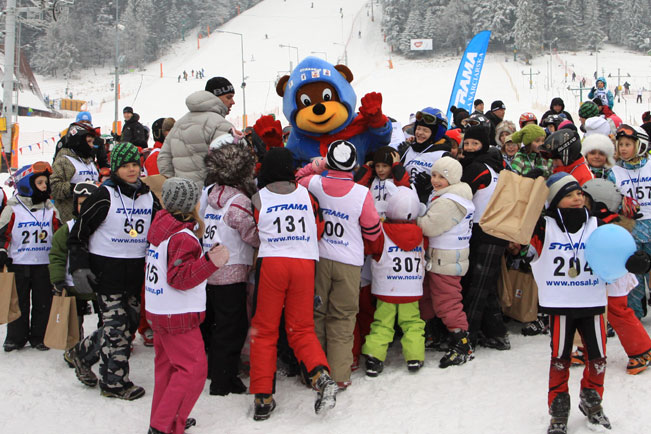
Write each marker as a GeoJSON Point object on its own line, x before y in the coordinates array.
{"type": "Point", "coordinates": [449, 168]}
{"type": "Point", "coordinates": [341, 156]}
{"type": "Point", "coordinates": [599, 142]}
{"type": "Point", "coordinates": [597, 125]}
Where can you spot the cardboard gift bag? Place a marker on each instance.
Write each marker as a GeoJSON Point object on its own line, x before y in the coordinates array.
{"type": "Point", "coordinates": [62, 331]}
{"type": "Point", "coordinates": [9, 308]}
{"type": "Point", "coordinates": [514, 207]}
{"type": "Point", "coordinates": [518, 294]}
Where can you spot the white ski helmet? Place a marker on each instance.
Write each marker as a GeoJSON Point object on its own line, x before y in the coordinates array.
{"type": "Point", "coordinates": [604, 191]}
{"type": "Point", "coordinates": [403, 205]}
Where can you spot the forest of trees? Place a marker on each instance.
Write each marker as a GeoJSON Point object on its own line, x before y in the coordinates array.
{"type": "Point", "coordinates": [84, 34]}
{"type": "Point", "coordinates": [525, 25]}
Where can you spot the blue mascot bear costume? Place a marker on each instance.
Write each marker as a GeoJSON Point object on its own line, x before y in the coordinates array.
{"type": "Point", "coordinates": [319, 103]}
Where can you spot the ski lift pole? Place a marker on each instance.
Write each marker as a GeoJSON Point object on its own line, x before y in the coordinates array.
{"type": "Point", "coordinates": [580, 89]}
{"type": "Point", "coordinates": [530, 74]}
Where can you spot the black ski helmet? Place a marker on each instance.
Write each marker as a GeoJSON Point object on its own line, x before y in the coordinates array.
{"type": "Point", "coordinates": [563, 144]}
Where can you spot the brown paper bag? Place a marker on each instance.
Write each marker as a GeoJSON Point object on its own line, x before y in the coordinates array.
{"type": "Point", "coordinates": [514, 207]}
{"type": "Point", "coordinates": [518, 294]}
{"type": "Point", "coordinates": [9, 308]}
{"type": "Point", "coordinates": [62, 331]}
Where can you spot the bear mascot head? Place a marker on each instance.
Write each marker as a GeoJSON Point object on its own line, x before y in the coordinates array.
{"type": "Point", "coordinates": [319, 103]}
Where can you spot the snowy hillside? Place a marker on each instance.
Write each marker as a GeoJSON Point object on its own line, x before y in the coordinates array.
{"type": "Point", "coordinates": [498, 392]}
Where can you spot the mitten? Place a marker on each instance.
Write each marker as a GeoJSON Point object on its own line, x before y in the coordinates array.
{"type": "Point", "coordinates": [83, 278]}
{"type": "Point", "coordinates": [638, 263]}
{"type": "Point", "coordinates": [423, 184]}
{"type": "Point", "coordinates": [218, 255]}
{"type": "Point", "coordinates": [5, 260]}
{"type": "Point", "coordinates": [371, 109]}
{"type": "Point", "coordinates": [534, 173]}
{"type": "Point", "coordinates": [59, 287]}
{"type": "Point", "coordinates": [270, 131]}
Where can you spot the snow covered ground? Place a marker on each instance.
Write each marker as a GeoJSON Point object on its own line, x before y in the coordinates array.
{"type": "Point", "coordinates": [498, 392]}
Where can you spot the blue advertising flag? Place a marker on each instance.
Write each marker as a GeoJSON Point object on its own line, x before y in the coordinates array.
{"type": "Point", "coordinates": [465, 85]}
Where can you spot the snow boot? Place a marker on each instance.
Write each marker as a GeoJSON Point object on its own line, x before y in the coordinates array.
{"type": "Point", "coordinates": [414, 365]}
{"type": "Point", "coordinates": [610, 331]}
{"type": "Point", "coordinates": [264, 404]}
{"type": "Point", "coordinates": [68, 358]}
{"type": "Point", "coordinates": [537, 326]}
{"type": "Point", "coordinates": [326, 389]}
{"type": "Point", "coordinates": [638, 364]}
{"type": "Point", "coordinates": [41, 347]}
{"type": "Point", "coordinates": [190, 422]}
{"type": "Point", "coordinates": [501, 343]}
{"type": "Point", "coordinates": [578, 357]}
{"type": "Point", "coordinates": [153, 430]}
{"type": "Point", "coordinates": [590, 406]}
{"type": "Point", "coordinates": [373, 366]}
{"type": "Point", "coordinates": [83, 372]}
{"type": "Point", "coordinates": [560, 412]}
{"type": "Point", "coordinates": [11, 346]}
{"type": "Point", "coordinates": [460, 352]}
{"type": "Point", "coordinates": [129, 393]}
{"type": "Point", "coordinates": [436, 335]}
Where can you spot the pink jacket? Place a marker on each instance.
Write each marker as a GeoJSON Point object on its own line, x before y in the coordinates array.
{"type": "Point", "coordinates": [369, 220]}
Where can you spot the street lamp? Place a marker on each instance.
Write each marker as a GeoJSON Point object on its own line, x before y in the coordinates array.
{"type": "Point", "coordinates": [289, 47]}
{"type": "Point", "coordinates": [244, 120]}
{"type": "Point", "coordinates": [117, 62]}
{"type": "Point", "coordinates": [320, 52]}
{"type": "Point", "coordinates": [345, 52]}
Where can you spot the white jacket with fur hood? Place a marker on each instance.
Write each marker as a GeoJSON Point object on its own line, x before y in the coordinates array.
{"type": "Point", "coordinates": [188, 142]}
{"type": "Point", "coordinates": [442, 215]}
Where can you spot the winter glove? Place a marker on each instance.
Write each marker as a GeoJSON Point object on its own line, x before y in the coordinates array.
{"type": "Point", "coordinates": [5, 260]}
{"type": "Point", "coordinates": [534, 173]}
{"type": "Point", "coordinates": [83, 278]}
{"type": "Point", "coordinates": [218, 255]}
{"type": "Point", "coordinates": [638, 263]}
{"type": "Point", "coordinates": [59, 287]}
{"type": "Point", "coordinates": [371, 109]}
{"type": "Point", "coordinates": [631, 208]}
{"type": "Point", "coordinates": [423, 184]}
{"type": "Point", "coordinates": [270, 131]}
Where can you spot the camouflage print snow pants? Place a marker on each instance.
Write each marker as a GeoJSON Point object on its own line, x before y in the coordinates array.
{"type": "Point", "coordinates": [112, 342]}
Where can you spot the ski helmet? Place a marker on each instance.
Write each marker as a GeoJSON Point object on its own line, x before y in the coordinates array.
{"type": "Point", "coordinates": [435, 120]}
{"type": "Point", "coordinates": [25, 176]}
{"type": "Point", "coordinates": [564, 145]}
{"type": "Point", "coordinates": [82, 189]}
{"type": "Point", "coordinates": [604, 191]}
{"type": "Point", "coordinates": [527, 117]}
{"type": "Point", "coordinates": [403, 205]}
{"type": "Point", "coordinates": [554, 120]}
{"type": "Point", "coordinates": [84, 117]}
{"type": "Point", "coordinates": [641, 141]}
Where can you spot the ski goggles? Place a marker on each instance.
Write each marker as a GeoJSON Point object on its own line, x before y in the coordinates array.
{"type": "Point", "coordinates": [429, 119]}
{"type": "Point", "coordinates": [40, 167]}
{"type": "Point", "coordinates": [626, 131]}
{"type": "Point", "coordinates": [85, 188]}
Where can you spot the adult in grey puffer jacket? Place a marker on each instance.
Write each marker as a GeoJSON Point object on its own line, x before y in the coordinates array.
{"type": "Point", "coordinates": [189, 141]}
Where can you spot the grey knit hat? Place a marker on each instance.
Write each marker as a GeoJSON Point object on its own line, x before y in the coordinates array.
{"type": "Point", "coordinates": [180, 194]}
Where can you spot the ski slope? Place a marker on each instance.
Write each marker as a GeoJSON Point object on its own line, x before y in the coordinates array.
{"type": "Point", "coordinates": [498, 392]}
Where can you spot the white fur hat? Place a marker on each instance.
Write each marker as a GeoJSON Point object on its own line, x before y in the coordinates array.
{"type": "Point", "coordinates": [599, 142]}
{"type": "Point", "coordinates": [597, 125]}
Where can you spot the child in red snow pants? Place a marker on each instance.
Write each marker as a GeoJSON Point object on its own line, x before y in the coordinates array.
{"type": "Point", "coordinates": [287, 282]}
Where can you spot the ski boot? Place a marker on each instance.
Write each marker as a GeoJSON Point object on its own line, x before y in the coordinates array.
{"type": "Point", "coordinates": [264, 404]}
{"type": "Point", "coordinates": [536, 327]}
{"type": "Point", "coordinates": [590, 406]}
{"type": "Point", "coordinates": [560, 412]}
{"type": "Point", "coordinates": [373, 366]}
{"type": "Point", "coordinates": [501, 343]}
{"type": "Point", "coordinates": [459, 353]}
{"type": "Point", "coordinates": [326, 388]}
{"type": "Point", "coordinates": [638, 364]}
{"type": "Point", "coordinates": [578, 357]}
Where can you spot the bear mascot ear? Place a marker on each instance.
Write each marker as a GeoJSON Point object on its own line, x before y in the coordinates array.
{"type": "Point", "coordinates": [347, 73]}
{"type": "Point", "coordinates": [280, 85]}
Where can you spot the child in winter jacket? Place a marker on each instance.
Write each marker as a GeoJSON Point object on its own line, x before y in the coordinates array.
{"type": "Point", "coordinates": [502, 132]}
{"type": "Point", "coordinates": [573, 296]}
{"type": "Point", "coordinates": [598, 151]}
{"type": "Point", "coordinates": [448, 225]}
{"type": "Point", "coordinates": [229, 221]}
{"type": "Point", "coordinates": [290, 224]}
{"type": "Point", "coordinates": [481, 167]}
{"type": "Point", "coordinates": [350, 217]}
{"type": "Point", "coordinates": [107, 247]}
{"type": "Point", "coordinates": [528, 158]}
{"type": "Point", "coordinates": [60, 276]}
{"type": "Point", "coordinates": [27, 224]}
{"type": "Point", "coordinates": [398, 267]}
{"type": "Point", "coordinates": [632, 175]}
{"type": "Point", "coordinates": [175, 292]}
{"type": "Point", "coordinates": [563, 149]}
{"type": "Point", "coordinates": [382, 176]}
{"type": "Point", "coordinates": [73, 164]}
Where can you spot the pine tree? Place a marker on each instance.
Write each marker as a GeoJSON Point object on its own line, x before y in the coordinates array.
{"type": "Point", "coordinates": [528, 30]}
{"type": "Point", "coordinates": [593, 30]}
{"type": "Point", "coordinates": [635, 21]}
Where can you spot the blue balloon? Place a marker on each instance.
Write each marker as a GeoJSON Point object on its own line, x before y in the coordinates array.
{"type": "Point", "coordinates": [607, 250]}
